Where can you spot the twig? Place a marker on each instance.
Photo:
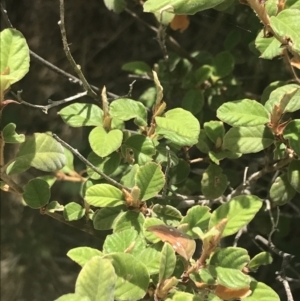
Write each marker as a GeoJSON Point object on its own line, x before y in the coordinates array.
{"type": "Point", "coordinates": [11, 183]}
{"type": "Point", "coordinates": [272, 247]}
{"type": "Point", "coordinates": [286, 287]}
{"type": "Point", "coordinates": [79, 224]}
{"type": "Point", "coordinates": [238, 235]}
{"type": "Point", "coordinates": [167, 170]}
{"type": "Point", "coordinates": [257, 175]}
{"type": "Point", "coordinates": [76, 67]}
{"type": "Point", "coordinates": [170, 40]}
{"type": "Point", "coordinates": [51, 103]}
{"type": "Point", "coordinates": [49, 65]}
{"type": "Point", "coordinates": [88, 163]}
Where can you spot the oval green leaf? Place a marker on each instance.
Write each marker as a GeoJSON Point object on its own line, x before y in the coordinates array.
{"type": "Point", "coordinates": [97, 280]}
{"type": "Point", "coordinates": [239, 211]}
{"type": "Point", "coordinates": [150, 179]}
{"type": "Point", "coordinates": [247, 140]}
{"type": "Point", "coordinates": [36, 193]}
{"type": "Point", "coordinates": [245, 112]}
{"type": "Point", "coordinates": [81, 114]}
{"type": "Point", "coordinates": [14, 55]}
{"type": "Point", "coordinates": [104, 195]}
{"type": "Point", "coordinates": [179, 126]}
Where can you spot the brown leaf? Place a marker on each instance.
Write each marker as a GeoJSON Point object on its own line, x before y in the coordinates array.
{"type": "Point", "coordinates": [226, 293]}
{"type": "Point", "coordinates": [183, 244]}
{"type": "Point", "coordinates": [180, 22]}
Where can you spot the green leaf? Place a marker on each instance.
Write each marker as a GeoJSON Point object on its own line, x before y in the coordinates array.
{"type": "Point", "coordinates": [197, 216]}
{"type": "Point", "coordinates": [220, 154]}
{"type": "Point", "coordinates": [128, 180]}
{"type": "Point", "coordinates": [287, 98]}
{"type": "Point", "coordinates": [215, 132]}
{"type": "Point", "coordinates": [150, 179]}
{"type": "Point", "coordinates": [103, 143]}
{"type": "Point", "coordinates": [180, 7]}
{"type": "Point", "coordinates": [82, 255]}
{"type": "Point", "coordinates": [69, 166]}
{"type": "Point", "coordinates": [126, 241]}
{"type": "Point", "coordinates": [294, 174]}
{"type": "Point", "coordinates": [178, 126]}
{"type": "Point", "coordinates": [36, 193]}
{"type": "Point", "coordinates": [151, 259]}
{"type": "Point", "coordinates": [142, 147]}
{"type": "Point", "coordinates": [73, 297]}
{"type": "Point", "coordinates": [268, 47]}
{"type": "Point", "coordinates": [73, 212]}
{"type": "Point", "coordinates": [239, 211]}
{"type": "Point", "coordinates": [132, 277]}
{"type": "Point", "coordinates": [272, 7]}
{"type": "Point", "coordinates": [214, 182]}
{"type": "Point", "coordinates": [281, 190]}
{"type": "Point", "coordinates": [292, 134]}
{"type": "Point", "coordinates": [182, 296]}
{"type": "Point", "coordinates": [54, 206]}
{"type": "Point", "coordinates": [104, 195]}
{"type": "Point", "coordinates": [168, 214]}
{"type": "Point", "coordinates": [285, 26]}
{"type": "Point", "coordinates": [107, 165]}
{"type": "Point", "coordinates": [206, 276]}
{"type": "Point", "coordinates": [97, 280]}
{"type": "Point", "coordinates": [204, 144]}
{"type": "Point", "coordinates": [223, 64]}
{"type": "Point", "coordinates": [167, 262]}
{"type": "Point", "coordinates": [231, 257]}
{"type": "Point", "coordinates": [105, 218]}
{"type": "Point", "coordinates": [137, 67]}
{"type": "Point", "coordinates": [10, 135]}
{"type": "Point", "coordinates": [115, 5]}
{"type": "Point", "coordinates": [14, 56]}
{"type": "Point", "coordinates": [126, 109]}
{"type": "Point", "coordinates": [148, 97]}
{"type": "Point", "coordinates": [247, 140]}
{"type": "Point", "coordinates": [40, 151]}
{"type": "Point", "coordinates": [262, 258]}
{"type": "Point", "coordinates": [81, 114]}
{"type": "Point", "coordinates": [129, 220]}
{"type": "Point", "coordinates": [202, 74]}
{"type": "Point", "coordinates": [193, 101]}
{"type": "Point", "coordinates": [244, 112]}
{"type": "Point", "coordinates": [231, 278]}
{"type": "Point", "coordinates": [261, 291]}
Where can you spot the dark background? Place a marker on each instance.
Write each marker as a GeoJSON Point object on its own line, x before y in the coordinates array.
{"type": "Point", "coordinates": [34, 265]}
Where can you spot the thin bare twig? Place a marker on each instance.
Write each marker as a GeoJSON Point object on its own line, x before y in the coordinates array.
{"type": "Point", "coordinates": [170, 40]}
{"type": "Point", "coordinates": [257, 175]}
{"type": "Point", "coordinates": [286, 288]}
{"type": "Point", "coordinates": [88, 163]}
{"type": "Point", "coordinates": [42, 61]}
{"type": "Point", "coordinates": [51, 103]}
{"type": "Point", "coordinates": [76, 67]}
{"type": "Point", "coordinates": [272, 247]}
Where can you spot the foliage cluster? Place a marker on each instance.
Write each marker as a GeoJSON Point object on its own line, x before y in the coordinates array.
{"type": "Point", "coordinates": [137, 180]}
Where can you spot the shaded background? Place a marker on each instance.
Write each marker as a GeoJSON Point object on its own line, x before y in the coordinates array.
{"type": "Point", "coordinates": [34, 265]}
